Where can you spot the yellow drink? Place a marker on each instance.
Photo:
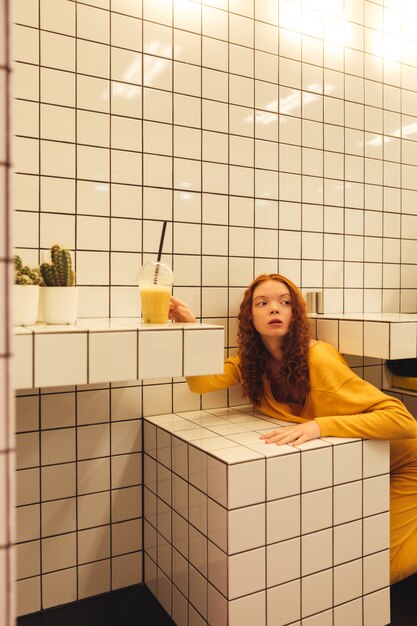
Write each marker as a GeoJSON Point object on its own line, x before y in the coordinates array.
{"type": "Point", "coordinates": [155, 303]}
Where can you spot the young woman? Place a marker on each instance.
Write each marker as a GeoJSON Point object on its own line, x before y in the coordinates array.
{"type": "Point", "coordinates": [287, 375]}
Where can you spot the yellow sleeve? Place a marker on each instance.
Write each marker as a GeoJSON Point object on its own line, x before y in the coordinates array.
{"type": "Point", "coordinates": [214, 382]}
{"type": "Point", "coordinates": [348, 406]}
{"type": "Point", "coordinates": [364, 411]}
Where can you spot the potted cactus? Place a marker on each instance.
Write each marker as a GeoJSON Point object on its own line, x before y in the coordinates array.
{"type": "Point", "coordinates": [25, 293]}
{"type": "Point", "coordinates": [59, 297]}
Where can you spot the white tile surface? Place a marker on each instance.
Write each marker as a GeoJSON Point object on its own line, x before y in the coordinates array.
{"type": "Point", "coordinates": [283, 476]}
{"type": "Point", "coordinates": [197, 509]}
{"type": "Point", "coordinates": [376, 495]}
{"type": "Point", "coordinates": [316, 469]}
{"type": "Point", "coordinates": [197, 587]}
{"type": "Point", "coordinates": [403, 341]}
{"type": "Point", "coordinates": [316, 510]}
{"type": "Point", "coordinates": [347, 462]}
{"type": "Point", "coordinates": [246, 528]}
{"type": "Point", "coordinates": [376, 571]}
{"type": "Point", "coordinates": [283, 562]}
{"type": "Point", "coordinates": [217, 606]}
{"type": "Point", "coordinates": [347, 542]}
{"type": "Point", "coordinates": [217, 524]}
{"type": "Point", "coordinates": [112, 356]}
{"type": "Point", "coordinates": [316, 593]}
{"type": "Point", "coordinates": [375, 458]}
{"type": "Point", "coordinates": [347, 502]}
{"type": "Point", "coordinates": [350, 337]}
{"type": "Point", "coordinates": [234, 454]}
{"type": "Point", "coordinates": [328, 330]}
{"type": "Point", "coordinates": [218, 568]}
{"type": "Point", "coordinates": [248, 610]}
{"type": "Point", "coordinates": [208, 343]}
{"type": "Point", "coordinates": [197, 468]}
{"type": "Point", "coordinates": [376, 340]}
{"type": "Point", "coordinates": [348, 581]}
{"type": "Point", "coordinates": [376, 608]}
{"type": "Point", "coordinates": [60, 359]}
{"type": "Point", "coordinates": [349, 613]}
{"type": "Point", "coordinates": [180, 573]}
{"type": "Point", "coordinates": [180, 496]}
{"type": "Point", "coordinates": [163, 483]}
{"type": "Point", "coordinates": [160, 354]}
{"type": "Point", "coordinates": [180, 529]}
{"type": "Point", "coordinates": [217, 480]}
{"type": "Point", "coordinates": [246, 484]}
{"type": "Point", "coordinates": [197, 550]}
{"type": "Point", "coordinates": [23, 361]}
{"type": "Point", "coordinates": [283, 519]}
{"type": "Point", "coordinates": [317, 551]}
{"type": "Point", "coordinates": [164, 447]}
{"type": "Point", "coordinates": [376, 533]}
{"type": "Point", "coordinates": [180, 457]}
{"type": "Point", "coordinates": [287, 598]}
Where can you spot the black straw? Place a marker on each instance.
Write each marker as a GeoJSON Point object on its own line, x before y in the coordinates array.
{"type": "Point", "coordinates": [161, 243]}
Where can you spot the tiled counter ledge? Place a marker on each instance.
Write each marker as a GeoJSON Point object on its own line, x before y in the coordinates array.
{"type": "Point", "coordinates": [107, 350]}
{"type": "Point", "coordinates": [238, 532]}
{"type": "Point", "coordinates": [378, 335]}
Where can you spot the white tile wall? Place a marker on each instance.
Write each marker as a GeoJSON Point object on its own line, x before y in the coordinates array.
{"type": "Point", "coordinates": [274, 136]}
{"type": "Point", "coordinates": [287, 549]}
{"type": "Point", "coordinates": [86, 485]}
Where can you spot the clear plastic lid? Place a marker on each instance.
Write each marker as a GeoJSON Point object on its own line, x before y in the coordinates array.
{"type": "Point", "coordinates": [156, 273]}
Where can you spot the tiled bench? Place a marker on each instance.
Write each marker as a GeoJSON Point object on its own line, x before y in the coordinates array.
{"type": "Point", "coordinates": [108, 350]}
{"type": "Point", "coordinates": [238, 532]}
{"type": "Point", "coordinates": [378, 335]}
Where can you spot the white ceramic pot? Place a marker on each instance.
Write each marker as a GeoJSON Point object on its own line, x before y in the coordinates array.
{"type": "Point", "coordinates": [59, 305]}
{"type": "Point", "coordinates": [25, 304]}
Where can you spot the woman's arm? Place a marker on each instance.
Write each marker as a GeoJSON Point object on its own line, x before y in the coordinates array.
{"type": "Point", "coordinates": [214, 382]}
{"type": "Point", "coordinates": [179, 311]}
{"type": "Point", "coordinates": [345, 405]}
{"type": "Point", "coordinates": [362, 410]}
{"type": "Point", "coordinates": [359, 410]}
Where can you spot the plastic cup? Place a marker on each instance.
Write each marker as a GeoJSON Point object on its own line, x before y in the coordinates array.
{"type": "Point", "coordinates": [155, 283]}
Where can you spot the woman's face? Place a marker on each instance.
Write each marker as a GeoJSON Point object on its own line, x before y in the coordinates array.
{"type": "Point", "coordinates": [272, 309]}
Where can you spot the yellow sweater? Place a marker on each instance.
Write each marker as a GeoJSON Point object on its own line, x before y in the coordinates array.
{"type": "Point", "coordinates": [343, 404]}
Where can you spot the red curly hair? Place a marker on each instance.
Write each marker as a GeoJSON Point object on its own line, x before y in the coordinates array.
{"type": "Point", "coordinates": [293, 384]}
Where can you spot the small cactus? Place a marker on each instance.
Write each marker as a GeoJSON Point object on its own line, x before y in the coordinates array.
{"type": "Point", "coordinates": [25, 275]}
{"type": "Point", "coordinates": [58, 273]}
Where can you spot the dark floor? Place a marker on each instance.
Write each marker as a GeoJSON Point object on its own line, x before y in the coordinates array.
{"type": "Point", "coordinates": [404, 602]}
{"type": "Point", "coordinates": [136, 606]}
{"type": "Point", "coordinates": [132, 606]}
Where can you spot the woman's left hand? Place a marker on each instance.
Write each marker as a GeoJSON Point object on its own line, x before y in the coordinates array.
{"type": "Point", "coordinates": [293, 435]}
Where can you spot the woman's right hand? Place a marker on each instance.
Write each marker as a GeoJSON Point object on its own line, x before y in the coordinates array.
{"type": "Point", "coordinates": [179, 311]}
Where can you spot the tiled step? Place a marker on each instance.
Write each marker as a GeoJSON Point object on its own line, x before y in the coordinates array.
{"type": "Point", "coordinates": [106, 350]}
{"type": "Point", "coordinates": [378, 335]}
